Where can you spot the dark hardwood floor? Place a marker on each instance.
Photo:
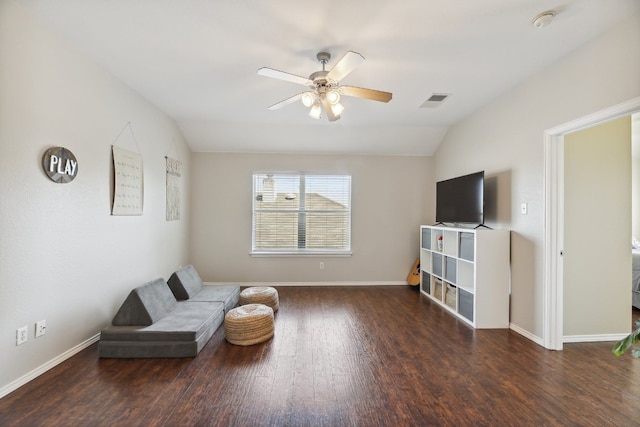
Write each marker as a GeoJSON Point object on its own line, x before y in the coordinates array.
{"type": "Point", "coordinates": [355, 356]}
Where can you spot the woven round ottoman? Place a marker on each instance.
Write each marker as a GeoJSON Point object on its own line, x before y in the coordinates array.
{"type": "Point", "coordinates": [260, 295]}
{"type": "Point", "coordinates": [249, 324]}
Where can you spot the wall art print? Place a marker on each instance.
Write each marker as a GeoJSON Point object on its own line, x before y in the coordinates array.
{"type": "Point", "coordinates": [128, 195]}
{"type": "Point", "coordinates": [174, 170]}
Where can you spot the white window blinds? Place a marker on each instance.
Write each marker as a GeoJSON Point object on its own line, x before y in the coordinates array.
{"type": "Point", "coordinates": [301, 213]}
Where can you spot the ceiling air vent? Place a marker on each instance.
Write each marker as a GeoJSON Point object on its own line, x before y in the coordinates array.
{"type": "Point", "coordinates": [435, 100]}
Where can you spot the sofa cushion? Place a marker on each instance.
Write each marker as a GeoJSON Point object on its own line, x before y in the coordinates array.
{"type": "Point", "coordinates": [228, 294]}
{"type": "Point", "coordinates": [185, 283]}
{"type": "Point", "coordinates": [146, 305]}
{"type": "Point", "coordinates": [186, 322]}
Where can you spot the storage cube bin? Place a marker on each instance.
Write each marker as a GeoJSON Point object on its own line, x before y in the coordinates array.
{"type": "Point", "coordinates": [465, 306]}
{"type": "Point", "coordinates": [451, 298]}
{"type": "Point", "coordinates": [437, 264]}
{"type": "Point", "coordinates": [450, 269]}
{"type": "Point", "coordinates": [437, 289]}
{"type": "Point", "coordinates": [466, 246]}
{"type": "Point", "coordinates": [426, 282]}
{"type": "Point", "coordinates": [426, 238]}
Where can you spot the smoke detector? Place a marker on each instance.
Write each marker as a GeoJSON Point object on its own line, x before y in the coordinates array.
{"type": "Point", "coordinates": [543, 19]}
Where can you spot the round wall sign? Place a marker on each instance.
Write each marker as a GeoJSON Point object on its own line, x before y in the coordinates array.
{"type": "Point", "coordinates": [60, 165]}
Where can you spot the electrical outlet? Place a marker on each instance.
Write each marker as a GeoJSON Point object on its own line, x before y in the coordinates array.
{"type": "Point", "coordinates": [523, 208]}
{"type": "Point", "coordinates": [321, 265]}
{"type": "Point", "coordinates": [22, 334]}
{"type": "Point", "coordinates": [41, 328]}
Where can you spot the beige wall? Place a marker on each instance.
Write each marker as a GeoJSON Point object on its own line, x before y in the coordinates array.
{"type": "Point", "coordinates": [506, 137]}
{"type": "Point", "coordinates": [635, 198]}
{"type": "Point", "coordinates": [391, 197]}
{"type": "Point", "coordinates": [597, 230]}
{"type": "Point", "coordinates": [63, 257]}
{"type": "Point", "coordinates": [635, 175]}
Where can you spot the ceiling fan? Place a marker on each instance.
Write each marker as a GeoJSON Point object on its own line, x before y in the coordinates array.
{"type": "Point", "coordinates": [324, 86]}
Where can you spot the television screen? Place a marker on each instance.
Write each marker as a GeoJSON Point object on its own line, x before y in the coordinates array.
{"type": "Point", "coordinates": [461, 199]}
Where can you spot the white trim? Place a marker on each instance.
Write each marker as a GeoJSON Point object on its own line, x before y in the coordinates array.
{"type": "Point", "coordinates": [554, 215]}
{"type": "Point", "coordinates": [526, 334]}
{"type": "Point", "coordinates": [293, 254]}
{"type": "Point", "coordinates": [594, 338]}
{"type": "Point", "coordinates": [553, 240]}
{"type": "Point", "coordinates": [14, 385]}
{"type": "Point", "coordinates": [358, 283]}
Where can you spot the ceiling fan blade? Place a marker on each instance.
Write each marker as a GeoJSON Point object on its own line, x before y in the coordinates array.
{"type": "Point", "coordinates": [347, 64]}
{"type": "Point", "coordinates": [285, 102]}
{"type": "Point", "coordinates": [327, 109]}
{"type": "Point", "coordinates": [270, 72]}
{"type": "Point", "coordinates": [359, 92]}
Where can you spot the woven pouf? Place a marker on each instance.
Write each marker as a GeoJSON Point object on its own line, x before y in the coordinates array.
{"type": "Point", "coordinates": [260, 295]}
{"type": "Point", "coordinates": [249, 324]}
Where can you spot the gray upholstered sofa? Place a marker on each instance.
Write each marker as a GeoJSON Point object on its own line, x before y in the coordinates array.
{"type": "Point", "coordinates": [168, 319]}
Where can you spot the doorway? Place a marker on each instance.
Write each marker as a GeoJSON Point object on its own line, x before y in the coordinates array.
{"type": "Point", "coordinates": [554, 216]}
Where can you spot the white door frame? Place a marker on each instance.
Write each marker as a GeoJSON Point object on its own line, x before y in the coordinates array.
{"type": "Point", "coordinates": [554, 215]}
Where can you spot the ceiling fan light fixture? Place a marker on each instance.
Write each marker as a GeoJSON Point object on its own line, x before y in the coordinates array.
{"type": "Point", "coordinates": [316, 111]}
{"type": "Point", "coordinates": [323, 89]}
{"type": "Point", "coordinates": [333, 96]}
{"type": "Point", "coordinates": [337, 109]}
{"type": "Point", "coordinates": [308, 98]}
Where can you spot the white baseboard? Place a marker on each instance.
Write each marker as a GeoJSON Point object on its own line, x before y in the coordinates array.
{"type": "Point", "coordinates": [593, 338]}
{"type": "Point", "coordinates": [50, 364]}
{"type": "Point", "coordinates": [359, 283]}
{"type": "Point", "coordinates": [526, 334]}
{"type": "Point", "coordinates": [570, 338]}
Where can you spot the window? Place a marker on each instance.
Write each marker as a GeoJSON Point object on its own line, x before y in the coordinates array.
{"type": "Point", "coordinates": [296, 213]}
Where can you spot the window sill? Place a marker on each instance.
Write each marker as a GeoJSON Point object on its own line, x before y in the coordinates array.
{"type": "Point", "coordinates": [294, 254]}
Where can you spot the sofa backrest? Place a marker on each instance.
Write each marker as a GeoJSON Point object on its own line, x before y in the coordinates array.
{"type": "Point", "coordinates": [146, 304]}
{"type": "Point", "coordinates": [185, 283]}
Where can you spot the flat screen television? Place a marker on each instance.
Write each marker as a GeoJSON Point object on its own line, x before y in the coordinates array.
{"type": "Point", "coordinates": [461, 200]}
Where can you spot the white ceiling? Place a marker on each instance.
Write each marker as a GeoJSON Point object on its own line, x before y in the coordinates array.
{"type": "Point", "coordinates": [196, 60]}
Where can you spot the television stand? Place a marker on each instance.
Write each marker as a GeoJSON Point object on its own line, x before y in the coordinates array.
{"type": "Point", "coordinates": [466, 271]}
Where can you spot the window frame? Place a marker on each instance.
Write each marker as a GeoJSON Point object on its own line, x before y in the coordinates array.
{"type": "Point", "coordinates": [301, 252]}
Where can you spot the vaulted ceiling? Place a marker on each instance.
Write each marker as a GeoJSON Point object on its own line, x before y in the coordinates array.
{"type": "Point", "coordinates": [196, 60]}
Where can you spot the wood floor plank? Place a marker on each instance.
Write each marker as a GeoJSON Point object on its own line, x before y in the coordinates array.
{"type": "Point", "coordinates": [344, 356]}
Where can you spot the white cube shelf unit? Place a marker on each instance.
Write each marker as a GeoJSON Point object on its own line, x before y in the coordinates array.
{"type": "Point", "coordinates": [467, 271]}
